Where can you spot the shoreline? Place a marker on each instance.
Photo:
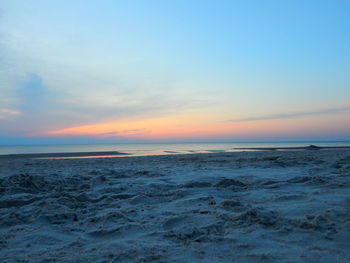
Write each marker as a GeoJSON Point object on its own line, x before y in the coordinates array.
{"type": "Point", "coordinates": [112, 154]}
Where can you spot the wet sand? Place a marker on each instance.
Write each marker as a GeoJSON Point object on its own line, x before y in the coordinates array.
{"type": "Point", "coordinates": [311, 147]}
{"type": "Point", "coordinates": [268, 206]}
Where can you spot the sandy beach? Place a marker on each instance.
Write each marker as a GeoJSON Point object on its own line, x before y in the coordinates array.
{"type": "Point", "coordinates": [264, 206]}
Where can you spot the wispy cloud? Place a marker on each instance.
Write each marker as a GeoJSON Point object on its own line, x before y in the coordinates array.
{"type": "Point", "coordinates": [47, 105]}
{"type": "Point", "coordinates": [124, 133]}
{"type": "Point", "coordinates": [292, 115]}
{"type": "Point", "coordinates": [6, 113]}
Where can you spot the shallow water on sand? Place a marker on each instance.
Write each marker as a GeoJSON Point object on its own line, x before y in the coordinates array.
{"type": "Point", "coordinates": [157, 148]}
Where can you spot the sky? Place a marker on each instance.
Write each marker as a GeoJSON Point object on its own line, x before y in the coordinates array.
{"type": "Point", "coordinates": [92, 71]}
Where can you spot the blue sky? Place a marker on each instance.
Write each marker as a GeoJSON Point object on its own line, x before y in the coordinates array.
{"type": "Point", "coordinates": [65, 65]}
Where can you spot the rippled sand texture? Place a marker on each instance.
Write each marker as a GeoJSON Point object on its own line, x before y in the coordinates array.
{"type": "Point", "coordinates": [221, 207]}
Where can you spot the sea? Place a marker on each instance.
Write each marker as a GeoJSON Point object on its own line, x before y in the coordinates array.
{"type": "Point", "coordinates": [142, 149]}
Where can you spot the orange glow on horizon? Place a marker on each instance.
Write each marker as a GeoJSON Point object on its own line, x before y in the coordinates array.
{"type": "Point", "coordinates": [197, 126]}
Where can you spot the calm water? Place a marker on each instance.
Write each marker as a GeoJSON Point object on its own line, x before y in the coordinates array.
{"type": "Point", "coordinates": [156, 148]}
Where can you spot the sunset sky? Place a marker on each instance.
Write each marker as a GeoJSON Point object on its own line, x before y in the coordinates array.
{"type": "Point", "coordinates": [90, 71]}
